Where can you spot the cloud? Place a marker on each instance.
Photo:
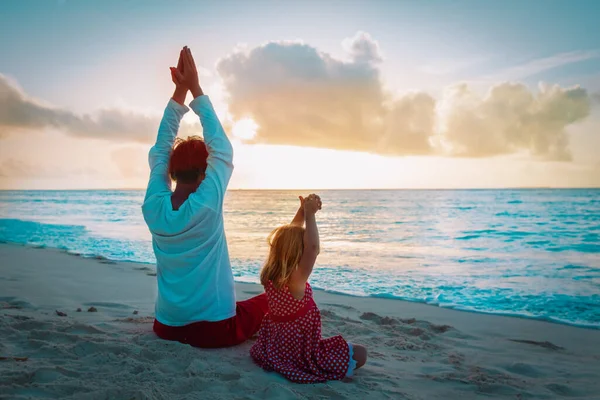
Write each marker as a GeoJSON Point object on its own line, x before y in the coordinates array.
{"type": "Point", "coordinates": [19, 111]}
{"type": "Point", "coordinates": [362, 48]}
{"type": "Point", "coordinates": [511, 118]}
{"type": "Point", "coordinates": [300, 96]}
{"type": "Point", "coordinates": [536, 66]}
{"type": "Point", "coordinates": [14, 168]}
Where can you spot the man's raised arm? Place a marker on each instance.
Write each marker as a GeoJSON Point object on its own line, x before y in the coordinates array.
{"type": "Point", "coordinates": [220, 152]}
{"type": "Point", "coordinates": [158, 157]}
{"type": "Point", "coordinates": [159, 154]}
{"type": "Point", "coordinates": [220, 156]}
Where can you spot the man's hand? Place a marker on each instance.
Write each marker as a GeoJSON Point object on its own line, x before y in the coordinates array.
{"type": "Point", "coordinates": [312, 204]}
{"type": "Point", "coordinates": [175, 76]}
{"type": "Point", "coordinates": [314, 196]}
{"type": "Point", "coordinates": [180, 88]}
{"type": "Point", "coordinates": [187, 76]}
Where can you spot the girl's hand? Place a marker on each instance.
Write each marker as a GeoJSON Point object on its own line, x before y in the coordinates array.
{"type": "Point", "coordinates": [188, 76]}
{"type": "Point", "coordinates": [301, 208]}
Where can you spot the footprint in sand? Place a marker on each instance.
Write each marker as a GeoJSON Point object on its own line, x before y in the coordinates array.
{"type": "Point", "coordinates": [546, 345]}
{"type": "Point", "coordinates": [108, 305]}
{"type": "Point", "coordinates": [49, 375]}
{"type": "Point", "coordinates": [80, 329]}
{"type": "Point", "coordinates": [379, 320]}
{"type": "Point", "coordinates": [136, 320]}
{"type": "Point", "coordinates": [344, 306]}
{"type": "Point", "coordinates": [422, 325]}
{"type": "Point", "coordinates": [19, 317]}
{"type": "Point", "coordinates": [377, 355]}
{"type": "Point", "coordinates": [562, 390]}
{"type": "Point", "coordinates": [456, 359]}
{"type": "Point", "coordinates": [524, 369]}
{"type": "Point", "coordinates": [14, 303]}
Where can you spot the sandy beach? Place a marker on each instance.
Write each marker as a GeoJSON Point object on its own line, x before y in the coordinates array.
{"type": "Point", "coordinates": [107, 350]}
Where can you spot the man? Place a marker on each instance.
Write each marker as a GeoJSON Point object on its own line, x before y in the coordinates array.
{"type": "Point", "coordinates": [196, 295]}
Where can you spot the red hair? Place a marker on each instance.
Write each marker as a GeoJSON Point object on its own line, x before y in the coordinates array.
{"type": "Point", "coordinates": [188, 159]}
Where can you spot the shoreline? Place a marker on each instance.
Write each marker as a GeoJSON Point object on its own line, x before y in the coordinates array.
{"type": "Point", "coordinates": [416, 350]}
{"type": "Point", "coordinates": [334, 292]}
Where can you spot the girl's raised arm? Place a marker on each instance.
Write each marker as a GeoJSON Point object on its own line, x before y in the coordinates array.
{"type": "Point", "coordinates": [312, 204]}
{"type": "Point", "coordinates": [299, 217]}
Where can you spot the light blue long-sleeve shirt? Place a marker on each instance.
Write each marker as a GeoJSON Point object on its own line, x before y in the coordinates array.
{"type": "Point", "coordinates": [195, 281]}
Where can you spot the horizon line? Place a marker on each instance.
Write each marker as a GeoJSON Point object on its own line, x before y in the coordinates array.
{"type": "Point", "coordinates": [325, 189]}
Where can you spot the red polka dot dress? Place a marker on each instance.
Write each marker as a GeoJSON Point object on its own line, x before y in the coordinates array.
{"type": "Point", "coordinates": [289, 341]}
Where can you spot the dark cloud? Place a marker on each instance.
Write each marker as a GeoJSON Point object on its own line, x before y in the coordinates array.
{"type": "Point", "coordinates": [18, 111]}
{"type": "Point", "coordinates": [15, 168]}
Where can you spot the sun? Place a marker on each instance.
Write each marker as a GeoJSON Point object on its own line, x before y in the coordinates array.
{"type": "Point", "coordinates": [244, 129]}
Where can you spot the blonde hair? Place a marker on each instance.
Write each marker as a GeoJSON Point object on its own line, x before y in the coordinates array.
{"type": "Point", "coordinates": [286, 245]}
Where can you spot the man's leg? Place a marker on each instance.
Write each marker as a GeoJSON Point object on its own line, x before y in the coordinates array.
{"type": "Point", "coordinates": [226, 333]}
{"type": "Point", "coordinates": [249, 316]}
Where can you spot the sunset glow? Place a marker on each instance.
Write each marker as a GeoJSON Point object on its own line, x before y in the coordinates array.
{"type": "Point", "coordinates": [336, 105]}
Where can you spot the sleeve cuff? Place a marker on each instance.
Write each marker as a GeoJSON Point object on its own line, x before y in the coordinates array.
{"type": "Point", "coordinates": [179, 109]}
{"type": "Point", "coordinates": [199, 103]}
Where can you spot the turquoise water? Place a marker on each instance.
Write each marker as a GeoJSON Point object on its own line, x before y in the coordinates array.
{"type": "Point", "coordinates": [529, 253]}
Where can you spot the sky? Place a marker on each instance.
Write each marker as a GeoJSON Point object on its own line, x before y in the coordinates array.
{"type": "Point", "coordinates": [373, 94]}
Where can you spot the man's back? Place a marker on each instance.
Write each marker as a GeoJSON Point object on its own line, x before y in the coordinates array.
{"type": "Point", "coordinates": [195, 281]}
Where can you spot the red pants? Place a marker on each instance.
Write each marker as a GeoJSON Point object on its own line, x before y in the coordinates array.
{"type": "Point", "coordinates": [229, 332]}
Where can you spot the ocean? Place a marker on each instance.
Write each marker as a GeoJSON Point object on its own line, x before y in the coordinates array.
{"type": "Point", "coordinates": [532, 253]}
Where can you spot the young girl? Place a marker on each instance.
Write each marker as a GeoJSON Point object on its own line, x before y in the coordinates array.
{"type": "Point", "coordinates": [289, 340]}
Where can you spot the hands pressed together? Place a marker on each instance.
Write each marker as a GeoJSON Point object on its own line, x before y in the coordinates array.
{"type": "Point", "coordinates": [185, 76]}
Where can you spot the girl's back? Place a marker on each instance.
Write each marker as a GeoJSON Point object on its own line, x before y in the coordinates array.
{"type": "Point", "coordinates": [290, 340]}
